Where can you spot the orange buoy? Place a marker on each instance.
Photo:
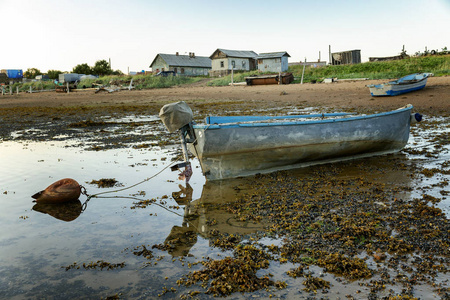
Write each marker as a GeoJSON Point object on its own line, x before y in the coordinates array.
{"type": "Point", "coordinates": [63, 190]}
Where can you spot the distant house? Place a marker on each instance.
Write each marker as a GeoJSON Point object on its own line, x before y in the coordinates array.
{"type": "Point", "coordinates": [346, 57]}
{"type": "Point", "coordinates": [273, 62]}
{"type": "Point", "coordinates": [223, 60]}
{"type": "Point", "coordinates": [184, 65]}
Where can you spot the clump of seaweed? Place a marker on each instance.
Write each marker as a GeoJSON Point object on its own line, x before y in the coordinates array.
{"type": "Point", "coordinates": [100, 264]}
{"type": "Point", "coordinates": [314, 283]}
{"type": "Point", "coordinates": [104, 182]}
{"type": "Point", "coordinates": [226, 276]}
{"type": "Point", "coordinates": [352, 268]}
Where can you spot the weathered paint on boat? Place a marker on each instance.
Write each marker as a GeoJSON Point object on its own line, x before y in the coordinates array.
{"type": "Point", "coordinates": [403, 85]}
{"type": "Point", "coordinates": [61, 191]}
{"type": "Point", "coordinates": [286, 78]}
{"type": "Point", "coordinates": [227, 149]}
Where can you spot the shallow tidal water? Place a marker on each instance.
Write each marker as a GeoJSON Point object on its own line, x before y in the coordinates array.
{"type": "Point", "coordinates": [43, 249]}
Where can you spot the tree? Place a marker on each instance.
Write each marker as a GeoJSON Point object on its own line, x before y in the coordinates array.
{"type": "Point", "coordinates": [117, 72]}
{"type": "Point", "coordinates": [31, 73]}
{"type": "Point", "coordinates": [82, 69]}
{"type": "Point", "coordinates": [53, 74]}
{"type": "Point", "coordinates": [102, 68]}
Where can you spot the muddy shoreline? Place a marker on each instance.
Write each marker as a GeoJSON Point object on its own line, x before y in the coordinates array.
{"type": "Point", "coordinates": [61, 114]}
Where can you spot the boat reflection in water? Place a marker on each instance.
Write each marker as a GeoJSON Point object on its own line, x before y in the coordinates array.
{"type": "Point", "coordinates": [211, 215]}
{"type": "Point", "coordinates": [67, 211]}
{"type": "Point", "coordinates": [208, 216]}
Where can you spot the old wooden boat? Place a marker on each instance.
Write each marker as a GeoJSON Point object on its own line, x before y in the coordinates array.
{"type": "Point", "coordinates": [284, 78]}
{"type": "Point", "coordinates": [409, 83]}
{"type": "Point", "coordinates": [234, 146]}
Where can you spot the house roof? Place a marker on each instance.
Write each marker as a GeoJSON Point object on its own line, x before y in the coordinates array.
{"type": "Point", "coordinates": [184, 60]}
{"type": "Point", "coordinates": [237, 53]}
{"type": "Point", "coordinates": [273, 55]}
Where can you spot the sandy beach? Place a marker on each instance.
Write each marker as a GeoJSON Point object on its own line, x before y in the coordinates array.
{"type": "Point", "coordinates": [433, 99]}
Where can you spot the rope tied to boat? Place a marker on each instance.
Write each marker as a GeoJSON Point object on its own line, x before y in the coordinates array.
{"type": "Point", "coordinates": [89, 197]}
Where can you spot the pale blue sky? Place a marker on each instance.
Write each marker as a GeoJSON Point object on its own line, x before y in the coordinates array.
{"type": "Point", "coordinates": [59, 34]}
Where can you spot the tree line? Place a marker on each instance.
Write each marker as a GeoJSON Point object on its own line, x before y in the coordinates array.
{"type": "Point", "coordinates": [100, 68]}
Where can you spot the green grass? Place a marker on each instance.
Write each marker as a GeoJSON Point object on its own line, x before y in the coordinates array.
{"type": "Point", "coordinates": [140, 81]}
{"type": "Point", "coordinates": [35, 86]}
{"type": "Point", "coordinates": [438, 65]}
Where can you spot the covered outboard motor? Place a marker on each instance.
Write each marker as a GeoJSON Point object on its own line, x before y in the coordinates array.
{"type": "Point", "coordinates": [176, 115]}
{"type": "Point", "coordinates": [179, 116]}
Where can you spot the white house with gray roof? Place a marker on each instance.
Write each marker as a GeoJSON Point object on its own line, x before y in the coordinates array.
{"type": "Point", "coordinates": [182, 65]}
{"type": "Point", "coordinates": [273, 62]}
{"type": "Point", "coordinates": [223, 61]}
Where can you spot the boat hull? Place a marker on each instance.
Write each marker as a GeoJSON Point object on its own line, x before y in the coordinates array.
{"type": "Point", "coordinates": [227, 151]}
{"type": "Point", "coordinates": [410, 83]}
{"type": "Point", "coordinates": [286, 78]}
{"type": "Point", "coordinates": [394, 90]}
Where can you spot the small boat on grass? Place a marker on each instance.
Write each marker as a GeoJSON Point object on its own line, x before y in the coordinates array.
{"type": "Point", "coordinates": [403, 85]}
{"type": "Point", "coordinates": [234, 146]}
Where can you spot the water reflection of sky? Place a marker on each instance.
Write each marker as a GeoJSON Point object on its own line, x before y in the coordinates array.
{"type": "Point", "coordinates": [425, 139]}
{"type": "Point", "coordinates": [36, 246]}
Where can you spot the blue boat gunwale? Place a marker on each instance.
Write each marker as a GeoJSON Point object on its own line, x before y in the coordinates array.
{"type": "Point", "coordinates": [403, 81]}
{"type": "Point", "coordinates": [408, 107]}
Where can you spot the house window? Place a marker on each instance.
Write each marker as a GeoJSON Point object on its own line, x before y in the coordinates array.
{"type": "Point", "coordinates": [175, 70]}
{"type": "Point", "coordinates": [233, 64]}
{"type": "Point", "coordinates": [260, 61]}
{"type": "Point", "coordinates": [221, 64]}
{"type": "Point", "coordinates": [243, 64]}
{"type": "Point", "coordinates": [182, 70]}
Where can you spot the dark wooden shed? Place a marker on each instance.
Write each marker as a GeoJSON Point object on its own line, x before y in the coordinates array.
{"type": "Point", "coordinates": [346, 57]}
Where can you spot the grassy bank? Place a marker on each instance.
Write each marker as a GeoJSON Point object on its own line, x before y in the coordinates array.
{"type": "Point", "coordinates": [139, 82]}
{"type": "Point", "coordinates": [438, 65]}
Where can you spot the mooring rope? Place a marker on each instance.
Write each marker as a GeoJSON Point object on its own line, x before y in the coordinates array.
{"type": "Point", "coordinates": [84, 192]}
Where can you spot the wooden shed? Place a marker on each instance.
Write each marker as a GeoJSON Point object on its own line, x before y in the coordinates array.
{"type": "Point", "coordinates": [273, 62]}
{"type": "Point", "coordinates": [182, 65]}
{"type": "Point", "coordinates": [223, 61]}
{"type": "Point", "coordinates": [346, 57]}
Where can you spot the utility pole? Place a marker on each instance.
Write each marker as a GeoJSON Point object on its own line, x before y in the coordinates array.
{"type": "Point", "coordinates": [303, 73]}
{"type": "Point", "coordinates": [329, 51]}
